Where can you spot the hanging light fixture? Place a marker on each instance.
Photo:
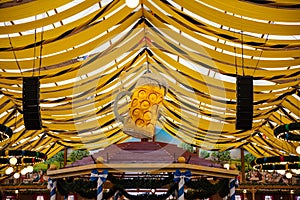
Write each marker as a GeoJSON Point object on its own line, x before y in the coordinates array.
{"type": "Point", "coordinates": [281, 164]}
{"type": "Point", "coordinates": [20, 159]}
{"type": "Point", "coordinates": [283, 132]}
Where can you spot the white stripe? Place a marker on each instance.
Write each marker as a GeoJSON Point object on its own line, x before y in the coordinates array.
{"type": "Point", "coordinates": [181, 185]}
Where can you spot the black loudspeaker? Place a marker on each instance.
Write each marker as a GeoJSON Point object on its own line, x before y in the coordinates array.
{"type": "Point", "coordinates": [244, 96]}
{"type": "Point", "coordinates": [31, 103]}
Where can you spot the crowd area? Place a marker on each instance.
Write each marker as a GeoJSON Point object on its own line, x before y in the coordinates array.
{"type": "Point", "coordinates": [257, 176]}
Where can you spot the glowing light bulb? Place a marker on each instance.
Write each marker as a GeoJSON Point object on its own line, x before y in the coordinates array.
{"type": "Point", "coordinates": [282, 172]}
{"type": "Point", "coordinates": [132, 3]}
{"type": "Point", "coordinates": [9, 170]}
{"type": "Point", "coordinates": [16, 175]}
{"type": "Point", "coordinates": [29, 168]}
{"type": "Point", "coordinates": [13, 160]}
{"type": "Point", "coordinates": [289, 175]}
{"type": "Point", "coordinates": [24, 171]}
{"type": "Point", "coordinates": [226, 166]}
{"type": "Point", "coordinates": [298, 149]}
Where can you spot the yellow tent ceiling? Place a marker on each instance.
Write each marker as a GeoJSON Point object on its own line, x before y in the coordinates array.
{"type": "Point", "coordinates": [198, 46]}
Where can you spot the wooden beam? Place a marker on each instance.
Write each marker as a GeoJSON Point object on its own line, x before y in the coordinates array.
{"type": "Point", "coordinates": [143, 167]}
{"type": "Point", "coordinates": [259, 187]}
{"type": "Point", "coordinates": [18, 187]}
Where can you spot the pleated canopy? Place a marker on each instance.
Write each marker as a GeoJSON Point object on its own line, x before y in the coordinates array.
{"type": "Point", "coordinates": [86, 52]}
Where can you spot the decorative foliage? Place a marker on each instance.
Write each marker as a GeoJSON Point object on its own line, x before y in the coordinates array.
{"type": "Point", "coordinates": [186, 146]}
{"type": "Point", "coordinates": [58, 158]}
{"type": "Point", "coordinates": [249, 158]}
{"type": "Point", "coordinates": [78, 155]}
{"type": "Point", "coordinates": [83, 187]}
{"type": "Point", "coordinates": [220, 156]}
{"type": "Point", "coordinates": [200, 188]}
{"type": "Point", "coordinates": [204, 154]}
{"type": "Point", "coordinates": [140, 182]}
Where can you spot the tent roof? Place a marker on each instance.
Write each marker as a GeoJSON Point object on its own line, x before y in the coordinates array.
{"type": "Point", "coordinates": [85, 52]}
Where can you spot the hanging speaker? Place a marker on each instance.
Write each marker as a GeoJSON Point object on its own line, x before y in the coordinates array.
{"type": "Point", "coordinates": [244, 96]}
{"type": "Point", "coordinates": [31, 103]}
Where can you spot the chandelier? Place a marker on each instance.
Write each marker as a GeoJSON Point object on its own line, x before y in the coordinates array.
{"type": "Point", "coordinates": [284, 132]}
{"type": "Point", "coordinates": [281, 164]}
{"type": "Point", "coordinates": [20, 161]}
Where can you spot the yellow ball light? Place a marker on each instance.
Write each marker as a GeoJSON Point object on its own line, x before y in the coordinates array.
{"type": "Point", "coordinates": [181, 159]}
{"type": "Point", "coordinates": [52, 167]}
{"type": "Point", "coordinates": [132, 3]}
{"type": "Point", "coordinates": [232, 167]}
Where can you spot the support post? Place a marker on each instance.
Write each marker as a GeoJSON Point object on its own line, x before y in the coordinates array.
{"type": "Point", "coordinates": [243, 178]}
{"type": "Point", "coordinates": [253, 193]}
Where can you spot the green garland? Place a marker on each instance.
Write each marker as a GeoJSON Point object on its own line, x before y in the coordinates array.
{"type": "Point", "coordinates": [80, 186]}
{"type": "Point", "coordinates": [140, 182]}
{"type": "Point", "coordinates": [200, 188]}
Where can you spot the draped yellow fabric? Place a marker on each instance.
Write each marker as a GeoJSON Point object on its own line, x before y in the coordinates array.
{"type": "Point", "coordinates": [29, 9]}
{"type": "Point", "coordinates": [198, 47]}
